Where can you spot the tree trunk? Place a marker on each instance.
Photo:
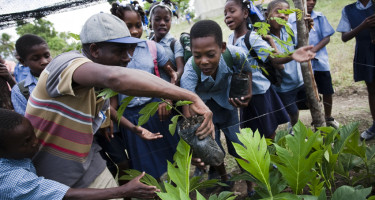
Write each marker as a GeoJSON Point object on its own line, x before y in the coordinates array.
{"type": "Point", "coordinates": [316, 108]}
{"type": "Point", "coordinates": [5, 101]}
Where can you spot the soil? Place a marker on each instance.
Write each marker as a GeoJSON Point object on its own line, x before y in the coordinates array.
{"type": "Point", "coordinates": [191, 121]}
{"type": "Point", "coordinates": [350, 105]}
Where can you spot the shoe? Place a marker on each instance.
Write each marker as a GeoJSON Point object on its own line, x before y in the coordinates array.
{"type": "Point", "coordinates": [367, 135]}
{"type": "Point", "coordinates": [330, 121]}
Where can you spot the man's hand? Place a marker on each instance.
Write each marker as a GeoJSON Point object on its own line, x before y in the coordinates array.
{"type": "Point", "coordinates": [303, 54]}
{"type": "Point", "coordinates": [146, 134]}
{"type": "Point", "coordinates": [199, 108]}
{"type": "Point", "coordinates": [136, 189]}
{"type": "Point", "coordinates": [162, 110]}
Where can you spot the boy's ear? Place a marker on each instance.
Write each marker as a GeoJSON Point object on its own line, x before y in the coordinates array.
{"type": "Point", "coordinates": [94, 50]}
{"type": "Point", "coordinates": [223, 47]}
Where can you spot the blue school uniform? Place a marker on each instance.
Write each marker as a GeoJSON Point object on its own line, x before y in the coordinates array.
{"type": "Point", "coordinates": [215, 93]}
{"type": "Point", "coordinates": [265, 110]}
{"type": "Point", "coordinates": [21, 72]}
{"type": "Point", "coordinates": [18, 100]}
{"type": "Point", "coordinates": [364, 60]}
{"type": "Point", "coordinates": [322, 29]}
{"type": "Point", "coordinates": [148, 156]}
{"type": "Point", "coordinates": [291, 74]}
{"type": "Point", "coordinates": [178, 52]}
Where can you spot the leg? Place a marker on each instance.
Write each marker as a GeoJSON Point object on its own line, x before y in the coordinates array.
{"type": "Point", "coordinates": [328, 102]}
{"type": "Point", "coordinates": [371, 98]}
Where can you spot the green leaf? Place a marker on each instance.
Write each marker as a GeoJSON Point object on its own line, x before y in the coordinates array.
{"type": "Point", "coordinates": [354, 147]}
{"type": "Point", "coordinates": [238, 57]}
{"type": "Point", "coordinates": [171, 193]}
{"type": "Point", "coordinates": [349, 193]}
{"type": "Point", "coordinates": [345, 133]}
{"type": "Point", "coordinates": [147, 111]}
{"type": "Point", "coordinates": [263, 28]}
{"type": "Point", "coordinates": [297, 160]}
{"type": "Point", "coordinates": [182, 103]}
{"type": "Point", "coordinates": [123, 104]}
{"type": "Point", "coordinates": [283, 196]}
{"type": "Point", "coordinates": [146, 179]}
{"type": "Point", "coordinates": [254, 151]}
{"type": "Point", "coordinates": [199, 196]}
{"type": "Point", "coordinates": [107, 93]}
{"type": "Point", "coordinates": [323, 195]}
{"type": "Point", "coordinates": [195, 183]}
{"type": "Point", "coordinates": [169, 107]}
{"type": "Point", "coordinates": [173, 125]}
{"type": "Point", "coordinates": [316, 186]}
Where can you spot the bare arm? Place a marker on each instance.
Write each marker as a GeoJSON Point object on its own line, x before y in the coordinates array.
{"type": "Point", "coordinates": [134, 188]}
{"type": "Point", "coordinates": [369, 22]}
{"type": "Point", "coordinates": [180, 67]}
{"type": "Point", "coordinates": [321, 44]}
{"type": "Point", "coordinates": [6, 75]}
{"type": "Point", "coordinates": [134, 82]}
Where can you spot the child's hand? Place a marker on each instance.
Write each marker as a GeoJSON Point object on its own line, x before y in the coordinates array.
{"type": "Point", "coordinates": [240, 103]}
{"type": "Point", "coordinates": [303, 54]}
{"type": "Point", "coordinates": [4, 73]}
{"type": "Point", "coordinates": [197, 162]}
{"type": "Point", "coordinates": [107, 131]}
{"type": "Point", "coordinates": [163, 112]}
{"type": "Point", "coordinates": [309, 22]}
{"type": "Point", "coordinates": [136, 189]}
{"type": "Point", "coordinates": [146, 134]}
{"type": "Point", "coordinates": [369, 22]}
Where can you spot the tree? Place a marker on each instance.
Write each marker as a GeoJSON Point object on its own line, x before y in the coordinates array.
{"type": "Point", "coordinates": [6, 46]}
{"type": "Point", "coordinates": [57, 42]}
{"type": "Point", "coordinates": [303, 40]}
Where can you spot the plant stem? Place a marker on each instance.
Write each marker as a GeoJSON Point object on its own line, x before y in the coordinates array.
{"type": "Point", "coordinates": [174, 108]}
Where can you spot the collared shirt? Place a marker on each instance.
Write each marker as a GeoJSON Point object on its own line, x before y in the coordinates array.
{"type": "Point", "coordinates": [260, 84]}
{"type": "Point", "coordinates": [291, 74]}
{"type": "Point", "coordinates": [142, 60]}
{"type": "Point", "coordinates": [344, 25]}
{"type": "Point", "coordinates": [18, 180]}
{"type": "Point", "coordinates": [322, 29]}
{"type": "Point", "coordinates": [178, 52]}
{"type": "Point", "coordinates": [21, 72]}
{"type": "Point", "coordinates": [18, 100]}
{"type": "Point", "coordinates": [216, 89]}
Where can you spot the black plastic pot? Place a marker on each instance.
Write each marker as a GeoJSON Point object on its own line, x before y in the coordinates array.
{"type": "Point", "coordinates": [239, 85]}
{"type": "Point", "coordinates": [207, 149]}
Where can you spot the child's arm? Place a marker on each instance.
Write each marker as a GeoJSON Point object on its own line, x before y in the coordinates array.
{"type": "Point", "coordinates": [321, 44]}
{"type": "Point", "coordinates": [168, 68]}
{"type": "Point", "coordinates": [180, 67]}
{"type": "Point", "coordinates": [140, 131]}
{"type": "Point", "coordinates": [302, 54]}
{"type": "Point", "coordinates": [369, 22]}
{"type": "Point", "coordinates": [5, 74]}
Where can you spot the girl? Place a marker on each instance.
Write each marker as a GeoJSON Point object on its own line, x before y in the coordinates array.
{"type": "Point", "coordinates": [265, 110]}
{"type": "Point", "coordinates": [358, 20]}
{"type": "Point", "coordinates": [161, 14]}
{"type": "Point", "coordinates": [149, 156]}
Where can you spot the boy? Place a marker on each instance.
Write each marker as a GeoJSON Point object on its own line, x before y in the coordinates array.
{"type": "Point", "coordinates": [64, 109]}
{"type": "Point", "coordinates": [18, 180]}
{"type": "Point", "coordinates": [213, 87]}
{"type": "Point", "coordinates": [319, 37]}
{"type": "Point", "coordinates": [33, 51]}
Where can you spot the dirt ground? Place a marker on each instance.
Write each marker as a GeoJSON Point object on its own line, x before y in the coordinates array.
{"type": "Point", "coordinates": [350, 105]}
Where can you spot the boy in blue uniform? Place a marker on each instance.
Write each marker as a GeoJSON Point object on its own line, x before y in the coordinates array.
{"type": "Point", "coordinates": [357, 20]}
{"type": "Point", "coordinates": [33, 51]}
{"type": "Point", "coordinates": [214, 83]}
{"type": "Point", "coordinates": [319, 37]}
{"type": "Point", "coordinates": [18, 179]}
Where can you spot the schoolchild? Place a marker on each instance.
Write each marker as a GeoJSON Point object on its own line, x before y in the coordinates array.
{"type": "Point", "coordinates": [319, 37]}
{"type": "Point", "coordinates": [358, 20]}
{"type": "Point", "coordinates": [20, 71]}
{"type": "Point", "coordinates": [148, 156]}
{"type": "Point", "coordinates": [161, 14]}
{"type": "Point", "coordinates": [292, 90]}
{"type": "Point", "coordinates": [265, 110]}
{"type": "Point", "coordinates": [212, 81]}
{"type": "Point", "coordinates": [18, 178]}
{"type": "Point", "coordinates": [33, 52]}
{"type": "Point", "coordinates": [64, 108]}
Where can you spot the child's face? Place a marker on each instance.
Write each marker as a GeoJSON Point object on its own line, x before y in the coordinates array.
{"type": "Point", "coordinates": [310, 5]}
{"type": "Point", "coordinates": [207, 54]}
{"type": "Point", "coordinates": [235, 16]}
{"type": "Point", "coordinates": [275, 13]}
{"type": "Point", "coordinates": [21, 142]}
{"type": "Point", "coordinates": [38, 58]}
{"type": "Point", "coordinates": [134, 23]}
{"type": "Point", "coordinates": [161, 21]}
{"type": "Point", "coordinates": [114, 54]}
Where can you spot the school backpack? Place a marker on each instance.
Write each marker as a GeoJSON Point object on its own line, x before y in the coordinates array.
{"type": "Point", "coordinates": [152, 48]}
{"type": "Point", "coordinates": [185, 42]}
{"type": "Point", "coordinates": [271, 73]}
{"type": "Point", "coordinates": [24, 90]}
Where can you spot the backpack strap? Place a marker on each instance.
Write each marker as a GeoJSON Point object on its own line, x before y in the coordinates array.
{"type": "Point", "coordinates": [24, 90]}
{"type": "Point", "coordinates": [172, 44]}
{"type": "Point", "coordinates": [227, 58]}
{"type": "Point", "coordinates": [152, 48]}
{"type": "Point", "coordinates": [252, 51]}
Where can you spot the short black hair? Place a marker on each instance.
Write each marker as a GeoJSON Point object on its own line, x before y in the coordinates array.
{"type": "Point", "coordinates": [8, 121]}
{"type": "Point", "coordinates": [26, 42]}
{"type": "Point", "coordinates": [206, 28]}
{"type": "Point", "coordinates": [274, 3]}
{"type": "Point", "coordinates": [118, 10]}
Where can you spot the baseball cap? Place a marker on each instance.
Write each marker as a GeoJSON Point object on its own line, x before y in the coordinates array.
{"type": "Point", "coordinates": [104, 27]}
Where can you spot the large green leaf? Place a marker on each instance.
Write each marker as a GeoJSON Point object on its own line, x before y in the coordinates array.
{"type": "Point", "coordinates": [147, 111]}
{"type": "Point", "coordinates": [297, 159]}
{"type": "Point", "coordinates": [147, 179]}
{"type": "Point", "coordinates": [349, 193]}
{"type": "Point", "coordinates": [120, 111]}
{"type": "Point", "coordinates": [254, 151]}
{"type": "Point", "coordinates": [173, 125]}
{"type": "Point", "coordinates": [107, 93]}
{"type": "Point", "coordinates": [354, 147]}
{"type": "Point", "coordinates": [345, 133]}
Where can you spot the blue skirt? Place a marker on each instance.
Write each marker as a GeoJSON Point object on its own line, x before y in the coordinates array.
{"type": "Point", "coordinates": [264, 113]}
{"type": "Point", "coordinates": [149, 156]}
{"type": "Point", "coordinates": [364, 61]}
